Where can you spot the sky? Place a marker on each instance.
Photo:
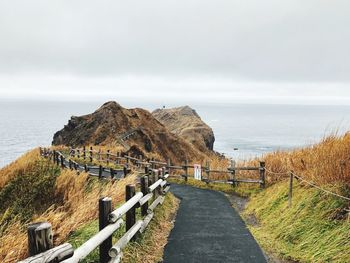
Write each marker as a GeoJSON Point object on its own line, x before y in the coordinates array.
{"type": "Point", "coordinates": [291, 51]}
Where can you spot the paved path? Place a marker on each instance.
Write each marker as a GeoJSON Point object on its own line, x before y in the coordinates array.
{"type": "Point", "coordinates": [208, 229]}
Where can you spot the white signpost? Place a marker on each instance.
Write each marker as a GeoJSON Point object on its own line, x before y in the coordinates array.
{"type": "Point", "coordinates": [197, 171]}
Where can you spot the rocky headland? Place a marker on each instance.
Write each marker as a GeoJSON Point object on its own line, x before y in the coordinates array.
{"type": "Point", "coordinates": [187, 124]}
{"type": "Point", "coordinates": [139, 132]}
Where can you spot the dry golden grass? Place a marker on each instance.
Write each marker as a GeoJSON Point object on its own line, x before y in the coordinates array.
{"type": "Point", "coordinates": [21, 164]}
{"type": "Point", "coordinates": [325, 163]}
{"type": "Point", "coordinates": [150, 247]}
{"type": "Point", "coordinates": [80, 199]}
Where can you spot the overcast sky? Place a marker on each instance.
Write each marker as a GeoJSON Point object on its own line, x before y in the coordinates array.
{"type": "Point", "coordinates": [222, 50]}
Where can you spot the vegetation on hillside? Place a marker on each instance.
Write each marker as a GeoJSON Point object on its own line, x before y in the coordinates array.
{"type": "Point", "coordinates": [62, 197]}
{"type": "Point", "coordinates": [316, 228]}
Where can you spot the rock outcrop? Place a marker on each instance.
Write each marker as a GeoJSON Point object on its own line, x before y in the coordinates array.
{"type": "Point", "coordinates": [186, 123]}
{"type": "Point", "coordinates": [134, 129]}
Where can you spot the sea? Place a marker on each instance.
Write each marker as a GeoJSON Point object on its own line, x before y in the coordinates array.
{"type": "Point", "coordinates": [242, 131]}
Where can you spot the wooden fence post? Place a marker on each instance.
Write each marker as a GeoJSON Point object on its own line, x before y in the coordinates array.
{"type": "Point", "coordinates": [99, 154]}
{"type": "Point", "coordinates": [62, 161]}
{"type": "Point", "coordinates": [100, 170]}
{"type": "Point", "coordinates": [104, 208]}
{"type": "Point", "coordinates": [144, 190]}
{"type": "Point", "coordinates": [40, 238]}
{"type": "Point", "coordinates": [208, 171]}
{"type": "Point", "coordinates": [127, 158]}
{"type": "Point", "coordinates": [57, 158]}
{"type": "Point", "coordinates": [153, 166]}
{"type": "Point", "coordinates": [107, 157]}
{"type": "Point", "coordinates": [130, 216]}
{"type": "Point", "coordinates": [78, 153]}
{"type": "Point", "coordinates": [168, 166]}
{"type": "Point", "coordinates": [112, 172]}
{"type": "Point", "coordinates": [90, 152]}
{"type": "Point", "coordinates": [70, 164]}
{"type": "Point", "coordinates": [290, 193]}
{"type": "Point", "coordinates": [84, 152]}
{"type": "Point", "coordinates": [233, 172]}
{"type": "Point", "coordinates": [118, 158]}
{"type": "Point", "coordinates": [140, 161]}
{"type": "Point", "coordinates": [186, 170]}
{"type": "Point", "coordinates": [86, 168]}
{"type": "Point", "coordinates": [262, 174]}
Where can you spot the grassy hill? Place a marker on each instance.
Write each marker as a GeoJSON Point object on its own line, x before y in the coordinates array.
{"type": "Point", "coordinates": [34, 189]}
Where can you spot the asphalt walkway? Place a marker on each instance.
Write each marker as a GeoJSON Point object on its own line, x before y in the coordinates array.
{"type": "Point", "coordinates": [208, 229]}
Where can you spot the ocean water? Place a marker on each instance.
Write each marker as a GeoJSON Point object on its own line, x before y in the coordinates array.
{"type": "Point", "coordinates": [253, 129]}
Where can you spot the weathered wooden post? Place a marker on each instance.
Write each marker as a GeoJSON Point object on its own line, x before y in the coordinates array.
{"type": "Point", "coordinates": [90, 154]}
{"type": "Point", "coordinates": [104, 208]}
{"type": "Point", "coordinates": [100, 170]}
{"type": "Point", "coordinates": [168, 166]}
{"type": "Point", "coordinates": [118, 158]}
{"type": "Point", "coordinates": [99, 154]}
{"type": "Point", "coordinates": [155, 179]}
{"type": "Point", "coordinates": [112, 172]}
{"type": "Point", "coordinates": [70, 164]}
{"type": "Point", "coordinates": [262, 174]}
{"type": "Point", "coordinates": [146, 169]}
{"type": "Point", "coordinates": [186, 170]}
{"type": "Point", "coordinates": [78, 153]}
{"type": "Point", "coordinates": [107, 160]}
{"type": "Point", "coordinates": [153, 165]}
{"type": "Point", "coordinates": [84, 152]}
{"type": "Point", "coordinates": [140, 161]}
{"type": "Point", "coordinates": [290, 193]}
{"type": "Point", "coordinates": [130, 216]}
{"type": "Point", "coordinates": [144, 190]}
{"type": "Point", "coordinates": [233, 172]}
{"type": "Point", "coordinates": [127, 159]}
{"type": "Point", "coordinates": [40, 238]}
{"type": "Point", "coordinates": [207, 170]}
{"type": "Point", "coordinates": [86, 169]}
{"type": "Point", "coordinates": [62, 161]}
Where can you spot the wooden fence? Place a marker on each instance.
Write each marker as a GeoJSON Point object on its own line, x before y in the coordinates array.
{"type": "Point", "coordinates": [154, 187]}
{"type": "Point", "coordinates": [119, 158]}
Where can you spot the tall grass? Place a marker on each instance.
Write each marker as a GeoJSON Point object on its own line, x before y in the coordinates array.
{"type": "Point", "coordinates": [325, 163]}
{"type": "Point", "coordinates": [76, 199]}
{"type": "Point", "coordinates": [22, 164]}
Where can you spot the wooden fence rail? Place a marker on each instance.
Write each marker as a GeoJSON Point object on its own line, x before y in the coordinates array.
{"type": "Point", "coordinates": [154, 187]}
{"type": "Point", "coordinates": [147, 164]}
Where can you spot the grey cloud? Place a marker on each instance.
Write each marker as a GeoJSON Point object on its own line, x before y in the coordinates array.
{"type": "Point", "coordinates": [271, 41]}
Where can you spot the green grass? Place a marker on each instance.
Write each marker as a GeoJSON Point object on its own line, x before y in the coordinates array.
{"type": "Point", "coordinates": [314, 229]}
{"type": "Point", "coordinates": [145, 245]}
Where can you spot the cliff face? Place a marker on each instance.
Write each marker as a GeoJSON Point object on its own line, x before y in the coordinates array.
{"type": "Point", "coordinates": [134, 129]}
{"type": "Point", "coordinates": [186, 123]}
